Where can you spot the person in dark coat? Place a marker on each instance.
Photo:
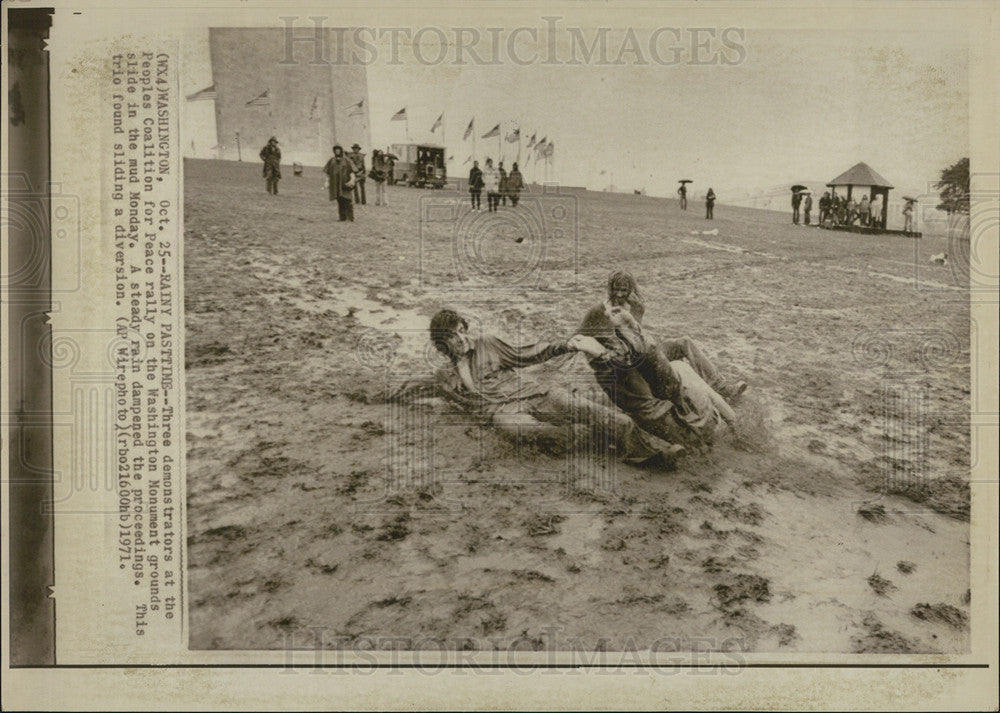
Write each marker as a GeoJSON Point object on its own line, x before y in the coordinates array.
{"type": "Point", "coordinates": [358, 159]}
{"type": "Point", "coordinates": [824, 208]}
{"type": "Point", "coordinates": [271, 156]}
{"type": "Point", "coordinates": [503, 183]}
{"type": "Point", "coordinates": [683, 193]}
{"type": "Point", "coordinates": [796, 202]}
{"type": "Point", "coordinates": [807, 206]}
{"type": "Point", "coordinates": [709, 204]}
{"type": "Point", "coordinates": [476, 186]}
{"type": "Point", "coordinates": [340, 181]}
{"type": "Point", "coordinates": [515, 183]}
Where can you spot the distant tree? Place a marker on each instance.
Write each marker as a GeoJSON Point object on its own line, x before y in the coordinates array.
{"type": "Point", "coordinates": [954, 187]}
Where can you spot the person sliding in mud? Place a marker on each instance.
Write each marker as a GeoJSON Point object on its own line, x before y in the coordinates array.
{"type": "Point", "coordinates": [623, 293]}
{"type": "Point", "coordinates": [484, 378]}
{"type": "Point", "coordinates": [661, 387]}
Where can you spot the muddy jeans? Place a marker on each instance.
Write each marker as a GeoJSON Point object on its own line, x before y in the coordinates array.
{"type": "Point", "coordinates": [578, 419]}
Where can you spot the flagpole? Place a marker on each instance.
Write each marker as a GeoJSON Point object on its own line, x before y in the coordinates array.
{"type": "Point", "coordinates": [406, 119]}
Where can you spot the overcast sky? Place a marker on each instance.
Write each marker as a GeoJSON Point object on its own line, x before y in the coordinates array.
{"type": "Point", "coordinates": [780, 107]}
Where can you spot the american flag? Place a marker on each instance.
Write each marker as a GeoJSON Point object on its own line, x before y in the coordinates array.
{"type": "Point", "coordinates": [262, 100]}
{"type": "Point", "coordinates": [468, 130]}
{"type": "Point", "coordinates": [399, 115]}
{"type": "Point", "coordinates": [439, 122]}
{"type": "Point", "coordinates": [204, 95]}
{"type": "Point", "coordinates": [356, 109]}
{"type": "Point", "coordinates": [495, 131]}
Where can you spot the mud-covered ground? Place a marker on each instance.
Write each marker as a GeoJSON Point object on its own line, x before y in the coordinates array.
{"type": "Point", "coordinates": [314, 505]}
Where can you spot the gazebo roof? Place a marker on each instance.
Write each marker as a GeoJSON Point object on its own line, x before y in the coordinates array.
{"type": "Point", "coordinates": [860, 174]}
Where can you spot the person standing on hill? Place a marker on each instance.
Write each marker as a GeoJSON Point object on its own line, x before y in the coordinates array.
{"type": "Point", "coordinates": [358, 159]}
{"type": "Point", "coordinates": [863, 210]}
{"type": "Point", "coordinates": [807, 206]}
{"type": "Point", "coordinates": [908, 218]}
{"type": "Point", "coordinates": [491, 183]}
{"type": "Point", "coordinates": [271, 156]}
{"type": "Point", "coordinates": [824, 208]}
{"type": "Point", "coordinates": [503, 183]}
{"type": "Point", "coordinates": [710, 205]}
{"type": "Point", "coordinates": [379, 175]}
{"type": "Point", "coordinates": [340, 180]}
{"type": "Point", "coordinates": [515, 183]}
{"type": "Point", "coordinates": [476, 186]}
{"type": "Point", "coordinates": [852, 211]}
{"type": "Point", "coordinates": [875, 209]}
{"type": "Point", "coordinates": [796, 201]}
{"type": "Point", "coordinates": [683, 193]}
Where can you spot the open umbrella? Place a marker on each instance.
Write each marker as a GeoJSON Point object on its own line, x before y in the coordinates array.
{"type": "Point", "coordinates": [799, 187]}
{"type": "Point", "coordinates": [685, 180]}
{"type": "Point", "coordinates": [907, 198]}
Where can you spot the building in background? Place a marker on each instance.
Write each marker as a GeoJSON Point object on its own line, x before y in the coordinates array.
{"type": "Point", "coordinates": [310, 96]}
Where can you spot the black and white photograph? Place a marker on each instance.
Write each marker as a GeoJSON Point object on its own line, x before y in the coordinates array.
{"type": "Point", "coordinates": [500, 355]}
{"type": "Point", "coordinates": [577, 338]}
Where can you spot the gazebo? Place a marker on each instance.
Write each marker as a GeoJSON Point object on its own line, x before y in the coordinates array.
{"type": "Point", "coordinates": [861, 175]}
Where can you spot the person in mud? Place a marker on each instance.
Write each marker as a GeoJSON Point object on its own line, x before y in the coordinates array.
{"type": "Point", "coordinates": [671, 390]}
{"type": "Point", "coordinates": [623, 293]}
{"type": "Point", "coordinates": [484, 378]}
{"type": "Point", "coordinates": [667, 399]}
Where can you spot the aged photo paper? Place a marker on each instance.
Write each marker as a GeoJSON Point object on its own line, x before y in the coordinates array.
{"type": "Point", "coordinates": [500, 355]}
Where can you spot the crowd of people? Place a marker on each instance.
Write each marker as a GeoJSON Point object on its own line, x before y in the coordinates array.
{"type": "Point", "coordinates": [499, 185]}
{"type": "Point", "coordinates": [346, 175]}
{"type": "Point", "coordinates": [838, 210]}
{"type": "Point", "coordinates": [667, 395]}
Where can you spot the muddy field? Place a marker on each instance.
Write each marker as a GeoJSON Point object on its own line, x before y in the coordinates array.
{"type": "Point", "coordinates": [313, 505]}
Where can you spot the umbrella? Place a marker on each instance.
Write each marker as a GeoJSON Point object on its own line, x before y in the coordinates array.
{"type": "Point", "coordinates": [685, 180]}
{"type": "Point", "coordinates": [393, 156]}
{"type": "Point", "coordinates": [907, 198]}
{"type": "Point", "coordinates": [798, 187]}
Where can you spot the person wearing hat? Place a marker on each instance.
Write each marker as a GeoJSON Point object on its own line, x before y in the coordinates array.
{"type": "Point", "coordinates": [340, 180]}
{"type": "Point", "coordinates": [358, 159]}
{"type": "Point", "coordinates": [271, 156]}
{"type": "Point", "coordinates": [683, 193]}
{"type": "Point", "coordinates": [710, 205]}
{"type": "Point", "coordinates": [807, 206]}
{"type": "Point", "coordinates": [796, 202]}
